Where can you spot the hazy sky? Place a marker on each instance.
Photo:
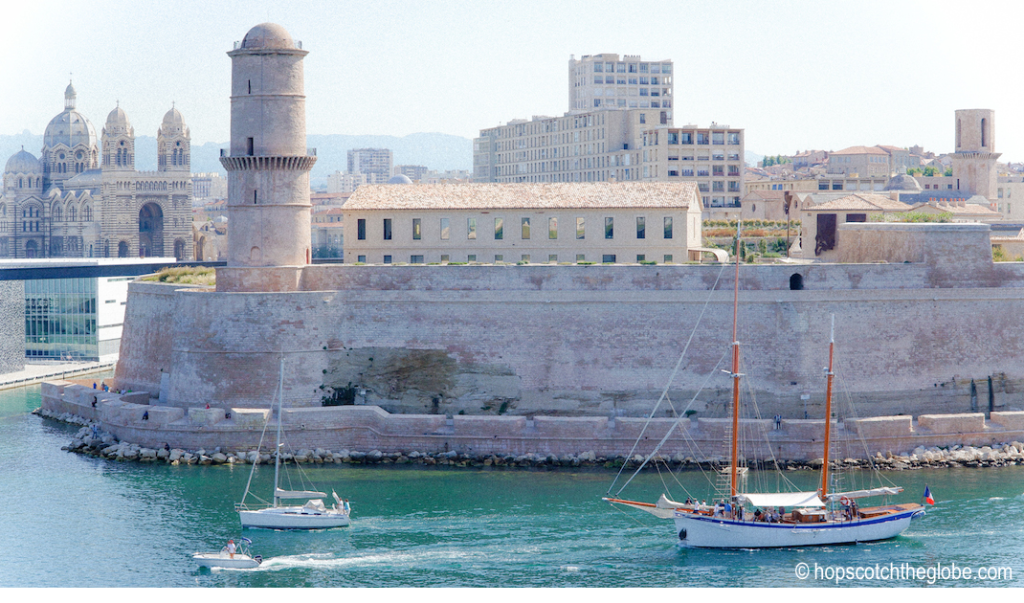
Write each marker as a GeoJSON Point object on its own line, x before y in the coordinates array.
{"type": "Point", "coordinates": [795, 75]}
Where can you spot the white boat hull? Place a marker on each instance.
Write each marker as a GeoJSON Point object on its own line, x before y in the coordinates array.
{"type": "Point", "coordinates": [225, 561]}
{"type": "Point", "coordinates": [700, 531]}
{"type": "Point", "coordinates": [293, 518]}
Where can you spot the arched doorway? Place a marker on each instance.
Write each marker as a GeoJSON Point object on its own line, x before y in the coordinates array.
{"type": "Point", "coordinates": [31, 248]}
{"type": "Point", "coordinates": [122, 249]}
{"type": "Point", "coordinates": [201, 249]}
{"type": "Point", "coordinates": [179, 249]}
{"type": "Point", "coordinates": [151, 231]}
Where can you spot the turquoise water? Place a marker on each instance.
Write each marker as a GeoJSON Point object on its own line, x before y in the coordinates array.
{"type": "Point", "coordinates": [71, 520]}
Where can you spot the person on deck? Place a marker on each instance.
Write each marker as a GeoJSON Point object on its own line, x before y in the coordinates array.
{"type": "Point", "coordinates": [231, 548]}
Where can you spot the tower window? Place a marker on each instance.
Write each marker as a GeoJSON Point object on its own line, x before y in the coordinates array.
{"type": "Point", "coordinates": [249, 146]}
{"type": "Point", "coordinates": [254, 192]}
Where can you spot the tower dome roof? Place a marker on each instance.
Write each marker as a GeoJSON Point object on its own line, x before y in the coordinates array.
{"type": "Point", "coordinates": [70, 95]}
{"type": "Point", "coordinates": [118, 119]}
{"type": "Point", "coordinates": [268, 35]}
{"type": "Point", "coordinates": [23, 162]}
{"type": "Point", "coordinates": [399, 179]}
{"type": "Point", "coordinates": [173, 122]}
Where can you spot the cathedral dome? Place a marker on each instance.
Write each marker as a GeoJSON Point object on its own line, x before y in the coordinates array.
{"type": "Point", "coordinates": [400, 179]}
{"type": "Point", "coordinates": [23, 162]}
{"type": "Point", "coordinates": [268, 35]}
{"type": "Point", "coordinates": [70, 128]}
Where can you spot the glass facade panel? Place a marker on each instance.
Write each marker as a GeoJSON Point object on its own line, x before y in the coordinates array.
{"type": "Point", "coordinates": [60, 319]}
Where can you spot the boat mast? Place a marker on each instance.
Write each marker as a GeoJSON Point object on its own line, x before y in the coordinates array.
{"type": "Point", "coordinates": [280, 412]}
{"type": "Point", "coordinates": [828, 408]}
{"type": "Point", "coordinates": [735, 368]}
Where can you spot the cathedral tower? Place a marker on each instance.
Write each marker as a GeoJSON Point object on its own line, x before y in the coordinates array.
{"type": "Point", "coordinates": [173, 144]}
{"type": "Point", "coordinates": [268, 165]}
{"type": "Point", "coordinates": [118, 142]}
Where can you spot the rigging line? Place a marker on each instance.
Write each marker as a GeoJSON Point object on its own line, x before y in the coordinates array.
{"type": "Point", "coordinates": [672, 376]}
{"type": "Point", "coordinates": [757, 414]}
{"type": "Point", "coordinates": [258, 448]}
{"type": "Point", "coordinates": [671, 428]}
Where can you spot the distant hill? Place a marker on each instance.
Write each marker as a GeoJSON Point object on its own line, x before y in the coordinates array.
{"type": "Point", "coordinates": [433, 150]}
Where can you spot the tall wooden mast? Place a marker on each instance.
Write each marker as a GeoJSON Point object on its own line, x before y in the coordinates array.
{"type": "Point", "coordinates": [735, 369]}
{"type": "Point", "coordinates": [829, 374]}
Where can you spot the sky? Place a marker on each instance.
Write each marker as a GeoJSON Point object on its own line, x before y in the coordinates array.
{"type": "Point", "coordinates": [795, 75]}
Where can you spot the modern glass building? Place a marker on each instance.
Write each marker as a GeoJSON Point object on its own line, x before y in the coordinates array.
{"type": "Point", "coordinates": [78, 314]}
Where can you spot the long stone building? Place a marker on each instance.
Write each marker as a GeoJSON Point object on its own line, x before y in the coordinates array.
{"type": "Point", "coordinates": [83, 196]}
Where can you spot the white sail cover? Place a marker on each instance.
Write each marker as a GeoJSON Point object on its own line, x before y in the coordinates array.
{"type": "Point", "coordinates": [279, 493]}
{"type": "Point", "coordinates": [887, 491]}
{"type": "Point", "coordinates": [782, 499]}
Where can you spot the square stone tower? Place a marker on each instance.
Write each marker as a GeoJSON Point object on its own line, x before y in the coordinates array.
{"type": "Point", "coordinates": [974, 162]}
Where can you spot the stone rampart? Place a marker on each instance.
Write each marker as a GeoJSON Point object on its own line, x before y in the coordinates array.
{"type": "Point", "coordinates": [368, 428]}
{"type": "Point", "coordinates": [586, 340]}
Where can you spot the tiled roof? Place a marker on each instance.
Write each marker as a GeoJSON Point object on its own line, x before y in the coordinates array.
{"type": "Point", "coordinates": [765, 195]}
{"type": "Point", "coordinates": [865, 201]}
{"type": "Point", "coordinates": [860, 151]}
{"type": "Point", "coordinates": [576, 195]}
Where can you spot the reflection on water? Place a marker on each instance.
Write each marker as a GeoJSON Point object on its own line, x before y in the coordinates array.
{"type": "Point", "coordinates": [71, 520]}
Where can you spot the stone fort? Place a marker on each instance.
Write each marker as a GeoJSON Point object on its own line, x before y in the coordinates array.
{"type": "Point", "coordinates": [925, 321]}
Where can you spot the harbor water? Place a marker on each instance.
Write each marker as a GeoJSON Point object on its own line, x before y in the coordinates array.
{"type": "Point", "coordinates": [73, 520]}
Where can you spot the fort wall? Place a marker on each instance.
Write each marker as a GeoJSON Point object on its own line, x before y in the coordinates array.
{"type": "Point", "coordinates": [588, 340]}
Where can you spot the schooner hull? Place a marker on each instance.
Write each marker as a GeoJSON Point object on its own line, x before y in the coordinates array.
{"type": "Point", "coordinates": [707, 532]}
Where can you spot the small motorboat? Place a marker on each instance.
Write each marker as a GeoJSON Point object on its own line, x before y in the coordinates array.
{"type": "Point", "coordinates": [224, 559]}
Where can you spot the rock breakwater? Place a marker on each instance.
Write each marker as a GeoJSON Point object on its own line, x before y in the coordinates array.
{"type": "Point", "coordinates": [91, 440]}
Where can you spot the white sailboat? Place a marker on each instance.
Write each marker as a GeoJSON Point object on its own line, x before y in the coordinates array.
{"type": "Point", "coordinates": [761, 520]}
{"type": "Point", "coordinates": [313, 515]}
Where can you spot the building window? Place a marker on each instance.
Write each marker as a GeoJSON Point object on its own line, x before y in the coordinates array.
{"type": "Point", "coordinates": [499, 258]}
{"type": "Point", "coordinates": [361, 259]}
{"type": "Point", "coordinates": [499, 229]}
{"type": "Point", "coordinates": [526, 228]}
{"type": "Point", "coordinates": [525, 258]}
{"type": "Point", "coordinates": [471, 257]}
{"type": "Point", "coordinates": [445, 258]}
{"type": "Point", "coordinates": [552, 258]}
{"type": "Point", "coordinates": [640, 258]}
{"type": "Point", "coordinates": [641, 228]}
{"type": "Point", "coordinates": [581, 257]}
{"type": "Point", "coordinates": [446, 229]}
{"type": "Point", "coordinates": [552, 227]}
{"type": "Point", "coordinates": [825, 239]}
{"type": "Point", "coordinates": [609, 228]}
{"type": "Point", "coordinates": [668, 258]}
{"type": "Point", "coordinates": [581, 227]}
{"type": "Point", "coordinates": [470, 228]}
{"type": "Point", "coordinates": [417, 232]}
{"type": "Point", "coordinates": [668, 227]}
{"type": "Point", "coordinates": [361, 229]}
{"type": "Point", "coordinates": [387, 229]}
{"type": "Point", "coordinates": [415, 259]}
{"type": "Point", "coordinates": [387, 259]}
{"type": "Point", "coordinates": [608, 258]}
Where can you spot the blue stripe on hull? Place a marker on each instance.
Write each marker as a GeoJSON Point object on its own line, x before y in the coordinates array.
{"type": "Point", "coordinates": [768, 535]}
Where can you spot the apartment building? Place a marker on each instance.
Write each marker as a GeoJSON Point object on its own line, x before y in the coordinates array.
{"type": "Point", "coordinates": [711, 157]}
{"type": "Point", "coordinates": [343, 182]}
{"type": "Point", "coordinates": [376, 164]}
{"type": "Point", "coordinates": [631, 140]}
{"type": "Point", "coordinates": [604, 81]}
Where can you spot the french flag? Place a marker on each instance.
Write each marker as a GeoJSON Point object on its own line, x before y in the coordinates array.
{"type": "Point", "coordinates": [928, 496]}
